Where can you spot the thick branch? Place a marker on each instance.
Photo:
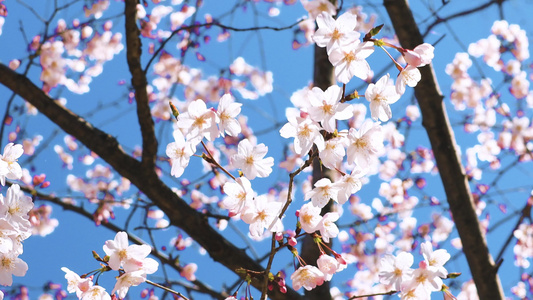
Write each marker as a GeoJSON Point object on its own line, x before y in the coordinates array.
{"type": "Point", "coordinates": [107, 147]}
{"type": "Point", "coordinates": [139, 83]}
{"type": "Point", "coordinates": [452, 174]}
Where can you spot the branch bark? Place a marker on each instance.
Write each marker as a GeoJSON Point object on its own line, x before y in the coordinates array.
{"type": "Point", "coordinates": [139, 83]}
{"type": "Point", "coordinates": [146, 180]}
{"type": "Point", "coordinates": [454, 179]}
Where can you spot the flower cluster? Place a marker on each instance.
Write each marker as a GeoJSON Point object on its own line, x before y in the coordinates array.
{"type": "Point", "coordinates": [61, 52]}
{"type": "Point", "coordinates": [15, 226]}
{"type": "Point", "coordinates": [130, 261]}
{"type": "Point", "coordinates": [419, 283]}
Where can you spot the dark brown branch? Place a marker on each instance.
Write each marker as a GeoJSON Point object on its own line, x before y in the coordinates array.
{"type": "Point", "coordinates": [139, 83]}
{"type": "Point", "coordinates": [452, 174]}
{"type": "Point", "coordinates": [146, 180]}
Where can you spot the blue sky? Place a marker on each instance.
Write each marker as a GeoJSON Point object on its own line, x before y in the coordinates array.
{"type": "Point", "coordinates": [71, 244]}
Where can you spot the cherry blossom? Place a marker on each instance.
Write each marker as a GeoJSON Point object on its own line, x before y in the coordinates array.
{"type": "Point", "coordinates": [328, 265]}
{"type": "Point", "coordinates": [423, 277]}
{"type": "Point", "coordinates": [126, 280]}
{"type": "Point", "coordinates": [327, 226]}
{"type": "Point", "coordinates": [15, 207]}
{"type": "Point", "coordinates": [324, 191]}
{"type": "Point", "coordinates": [250, 159]}
{"type": "Point", "coordinates": [333, 33]}
{"type": "Point", "coordinates": [179, 152]}
{"type": "Point", "coordinates": [316, 7]}
{"type": "Point", "coordinates": [349, 184]}
{"type": "Point", "coordinates": [188, 271]}
{"type": "Point", "coordinates": [410, 76]}
{"type": "Point", "coordinates": [131, 257]}
{"type": "Point", "coordinates": [435, 259]}
{"type": "Point", "coordinates": [395, 270]}
{"type": "Point", "coordinates": [227, 112]}
{"type": "Point", "coordinates": [381, 95]}
{"type": "Point", "coordinates": [349, 61]}
{"type": "Point", "coordinates": [199, 122]}
{"type": "Point", "coordinates": [307, 277]}
{"type": "Point", "coordinates": [333, 153]}
{"type": "Point", "coordinates": [326, 107]}
{"type": "Point", "coordinates": [420, 56]}
{"type": "Point", "coordinates": [239, 194]}
{"type": "Point", "coordinates": [11, 265]}
{"type": "Point", "coordinates": [262, 214]}
{"type": "Point", "coordinates": [95, 292]}
{"type": "Point", "coordinates": [364, 144]}
{"type": "Point", "coordinates": [9, 168]}
{"type": "Point", "coordinates": [309, 217]}
{"type": "Point", "coordinates": [305, 131]}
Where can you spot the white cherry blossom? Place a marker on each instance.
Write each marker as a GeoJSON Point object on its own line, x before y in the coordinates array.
{"type": "Point", "coordinates": [309, 217]}
{"type": "Point", "coordinates": [327, 108]}
{"type": "Point", "coordinates": [179, 152]}
{"type": "Point", "coordinates": [227, 112]}
{"type": "Point", "coordinates": [262, 214]}
{"type": "Point", "coordinates": [349, 61]}
{"type": "Point", "coordinates": [250, 159]}
{"type": "Point", "coordinates": [324, 191]}
{"type": "Point", "coordinates": [381, 95]}
{"type": "Point", "coordinates": [305, 132]}
{"type": "Point", "coordinates": [333, 33]}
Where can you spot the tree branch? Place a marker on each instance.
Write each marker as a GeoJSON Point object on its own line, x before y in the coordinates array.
{"type": "Point", "coordinates": [139, 83]}
{"type": "Point", "coordinates": [146, 180]}
{"type": "Point", "coordinates": [200, 286]}
{"type": "Point", "coordinates": [452, 174]}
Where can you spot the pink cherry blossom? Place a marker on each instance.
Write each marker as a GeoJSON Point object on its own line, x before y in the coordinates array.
{"type": "Point", "coordinates": [188, 271]}
{"type": "Point", "coordinates": [75, 283]}
{"type": "Point", "coordinates": [420, 56]}
{"type": "Point", "coordinates": [308, 277]}
{"type": "Point", "coordinates": [328, 265]}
